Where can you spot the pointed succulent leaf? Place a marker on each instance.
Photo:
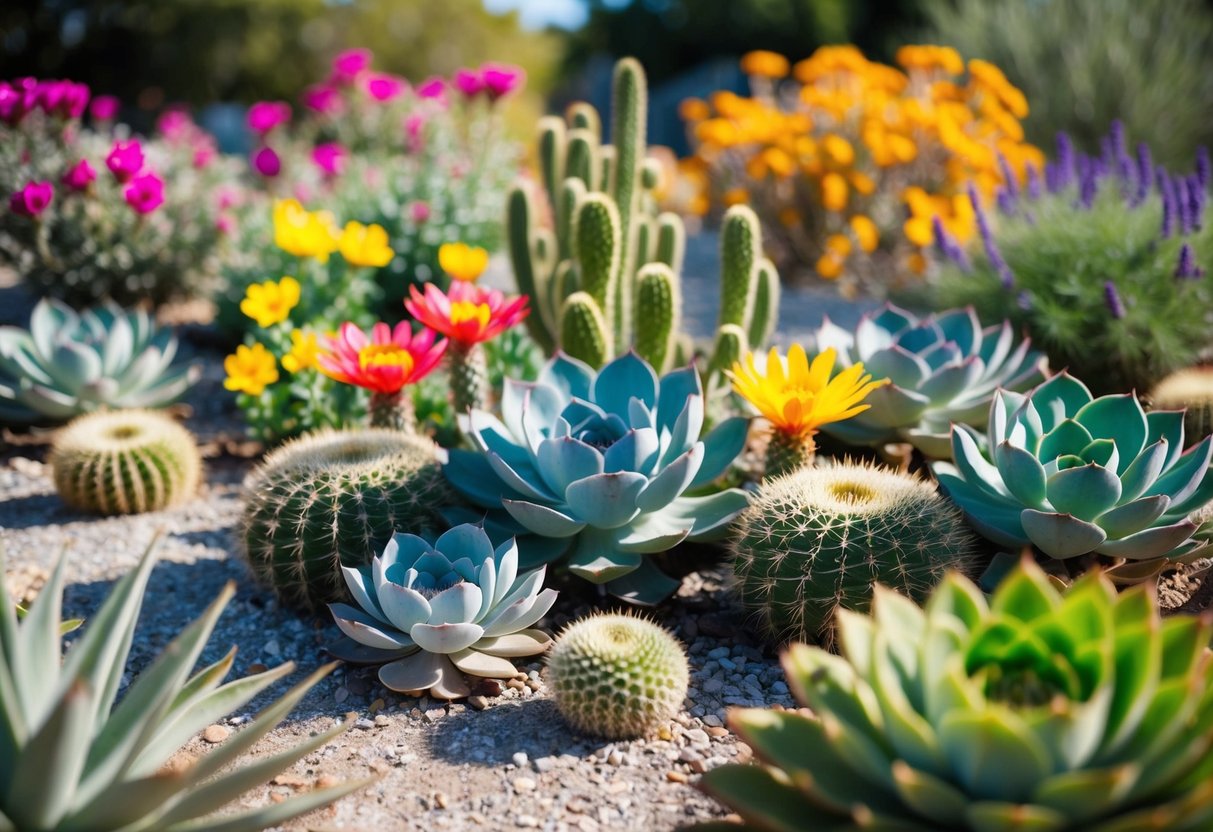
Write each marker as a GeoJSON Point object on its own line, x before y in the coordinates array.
{"type": "Point", "coordinates": [1061, 535]}
{"type": "Point", "coordinates": [1085, 492]}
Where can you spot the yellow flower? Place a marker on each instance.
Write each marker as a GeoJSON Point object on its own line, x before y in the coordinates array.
{"type": "Point", "coordinates": [250, 369]}
{"type": "Point", "coordinates": [463, 262]}
{"type": "Point", "coordinates": [304, 233]}
{"type": "Point", "coordinates": [693, 109]}
{"type": "Point", "coordinates": [833, 192]}
{"type": "Point", "coordinates": [270, 303]}
{"type": "Point", "coordinates": [798, 398]}
{"type": "Point", "coordinates": [866, 232]}
{"type": "Point", "coordinates": [302, 356]}
{"type": "Point", "coordinates": [365, 245]}
{"type": "Point", "coordinates": [765, 64]}
{"type": "Point", "coordinates": [829, 266]}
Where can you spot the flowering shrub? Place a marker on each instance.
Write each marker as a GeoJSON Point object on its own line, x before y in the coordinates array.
{"type": "Point", "coordinates": [96, 213]}
{"type": "Point", "coordinates": [1102, 260]}
{"type": "Point", "coordinates": [848, 161]}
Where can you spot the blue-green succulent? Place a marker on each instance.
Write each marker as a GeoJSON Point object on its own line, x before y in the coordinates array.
{"type": "Point", "coordinates": [1075, 475]}
{"type": "Point", "coordinates": [941, 369]}
{"type": "Point", "coordinates": [597, 467]}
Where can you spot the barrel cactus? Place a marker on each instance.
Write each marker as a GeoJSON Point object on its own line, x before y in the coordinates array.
{"type": "Point", "coordinates": [1082, 712]}
{"type": "Point", "coordinates": [1075, 475]}
{"type": "Point", "coordinates": [1189, 390]}
{"type": "Point", "coordinates": [596, 466]}
{"type": "Point", "coordinates": [617, 676]}
{"type": "Point", "coordinates": [331, 499]}
{"type": "Point", "coordinates": [817, 539]}
{"type": "Point", "coordinates": [428, 613]}
{"type": "Point", "coordinates": [941, 369]}
{"type": "Point", "coordinates": [125, 462]}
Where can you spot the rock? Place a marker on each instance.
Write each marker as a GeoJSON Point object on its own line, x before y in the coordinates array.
{"type": "Point", "coordinates": [676, 777]}
{"type": "Point", "coordinates": [524, 784]}
{"type": "Point", "coordinates": [341, 694]}
{"type": "Point", "coordinates": [520, 759]}
{"type": "Point", "coordinates": [697, 736]}
{"type": "Point", "coordinates": [216, 733]}
{"type": "Point", "coordinates": [478, 702]}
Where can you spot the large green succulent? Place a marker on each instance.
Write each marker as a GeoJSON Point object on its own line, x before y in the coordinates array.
{"type": "Point", "coordinates": [1031, 711]}
{"type": "Point", "coordinates": [941, 369]}
{"type": "Point", "coordinates": [70, 363]}
{"type": "Point", "coordinates": [71, 760]}
{"type": "Point", "coordinates": [1074, 475]}
{"type": "Point", "coordinates": [595, 467]}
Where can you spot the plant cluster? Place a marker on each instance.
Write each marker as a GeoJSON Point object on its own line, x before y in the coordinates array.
{"type": "Point", "coordinates": [834, 158]}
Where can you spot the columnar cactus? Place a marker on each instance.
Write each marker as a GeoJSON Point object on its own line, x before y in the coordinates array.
{"type": "Point", "coordinates": [605, 278]}
{"type": "Point", "coordinates": [332, 499]}
{"type": "Point", "coordinates": [1189, 390]}
{"type": "Point", "coordinates": [125, 462]}
{"type": "Point", "coordinates": [819, 538]}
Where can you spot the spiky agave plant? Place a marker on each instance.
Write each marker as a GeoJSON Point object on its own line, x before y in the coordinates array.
{"type": "Point", "coordinates": [72, 759]}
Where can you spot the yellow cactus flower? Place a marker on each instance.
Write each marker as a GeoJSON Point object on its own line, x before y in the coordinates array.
{"type": "Point", "coordinates": [304, 349]}
{"type": "Point", "coordinates": [830, 266]}
{"type": "Point", "coordinates": [250, 369]}
{"type": "Point", "coordinates": [866, 232]}
{"type": "Point", "coordinates": [365, 245]}
{"type": "Point", "coordinates": [304, 233]}
{"type": "Point", "coordinates": [833, 192]}
{"type": "Point", "coordinates": [271, 302]}
{"type": "Point", "coordinates": [764, 64]}
{"type": "Point", "coordinates": [463, 262]}
{"type": "Point", "coordinates": [693, 109]}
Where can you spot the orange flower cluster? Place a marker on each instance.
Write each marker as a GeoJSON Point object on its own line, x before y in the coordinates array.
{"type": "Point", "coordinates": [848, 160]}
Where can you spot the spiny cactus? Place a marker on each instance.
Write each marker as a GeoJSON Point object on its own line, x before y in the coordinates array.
{"type": "Point", "coordinates": [1190, 390]}
{"type": "Point", "coordinates": [332, 499]}
{"type": "Point", "coordinates": [819, 538]}
{"type": "Point", "coordinates": [617, 676]}
{"type": "Point", "coordinates": [610, 247]}
{"type": "Point", "coordinates": [125, 462]}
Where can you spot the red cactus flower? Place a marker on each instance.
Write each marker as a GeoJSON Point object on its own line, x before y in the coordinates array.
{"type": "Point", "coordinates": [383, 363]}
{"type": "Point", "coordinates": [468, 314]}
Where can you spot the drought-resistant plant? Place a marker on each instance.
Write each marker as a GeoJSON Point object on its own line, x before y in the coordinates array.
{"type": "Point", "coordinates": [940, 369]}
{"type": "Point", "coordinates": [1189, 390]}
{"type": "Point", "coordinates": [1101, 262]}
{"type": "Point", "coordinates": [834, 160]}
{"type": "Point", "coordinates": [125, 462]}
{"type": "Point", "coordinates": [73, 756]}
{"type": "Point", "coordinates": [817, 540]}
{"type": "Point", "coordinates": [1074, 475]}
{"type": "Point", "coordinates": [605, 278]}
{"type": "Point", "coordinates": [617, 676]}
{"type": "Point", "coordinates": [598, 466]}
{"type": "Point", "coordinates": [1030, 710]}
{"type": "Point", "coordinates": [69, 363]}
{"type": "Point", "coordinates": [332, 499]}
{"type": "Point", "coordinates": [429, 613]}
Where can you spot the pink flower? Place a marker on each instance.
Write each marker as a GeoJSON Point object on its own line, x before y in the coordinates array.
{"type": "Point", "coordinates": [349, 63]}
{"type": "Point", "coordinates": [125, 159]}
{"type": "Point", "coordinates": [224, 224]}
{"type": "Point", "coordinates": [104, 107]}
{"type": "Point", "coordinates": [264, 116]}
{"type": "Point", "coordinates": [80, 176]}
{"type": "Point", "coordinates": [266, 162]}
{"type": "Point", "coordinates": [322, 99]}
{"type": "Point", "coordinates": [145, 193]}
{"type": "Point", "coordinates": [413, 127]}
{"type": "Point", "coordinates": [227, 198]}
{"type": "Point", "coordinates": [419, 211]}
{"type": "Point", "coordinates": [12, 103]}
{"type": "Point", "coordinates": [502, 79]}
{"type": "Point", "coordinates": [383, 363]}
{"type": "Point", "coordinates": [467, 314]}
{"type": "Point", "coordinates": [32, 199]}
{"type": "Point", "coordinates": [75, 99]}
{"type": "Point", "coordinates": [330, 158]}
{"type": "Point", "coordinates": [469, 82]}
{"type": "Point", "coordinates": [174, 124]}
{"type": "Point", "coordinates": [432, 88]}
{"type": "Point", "coordinates": [204, 154]}
{"type": "Point", "coordinates": [384, 87]}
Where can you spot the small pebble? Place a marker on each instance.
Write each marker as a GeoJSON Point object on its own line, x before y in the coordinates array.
{"type": "Point", "coordinates": [216, 733]}
{"type": "Point", "coordinates": [676, 777]}
{"type": "Point", "coordinates": [524, 784]}
{"type": "Point", "coordinates": [478, 703]}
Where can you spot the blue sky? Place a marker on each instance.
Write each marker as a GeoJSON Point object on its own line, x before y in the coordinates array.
{"type": "Point", "coordinates": [568, 14]}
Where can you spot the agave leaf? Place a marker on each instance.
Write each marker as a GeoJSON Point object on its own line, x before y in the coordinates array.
{"type": "Point", "coordinates": [929, 795]}
{"type": "Point", "coordinates": [775, 805]}
{"type": "Point", "coordinates": [48, 318]}
{"type": "Point", "coordinates": [606, 501]}
{"type": "Point", "coordinates": [1150, 543]}
{"type": "Point", "coordinates": [1187, 474]}
{"type": "Point", "coordinates": [124, 802]}
{"type": "Point", "coordinates": [720, 447]}
{"type": "Point", "coordinates": [37, 651]}
{"type": "Point", "coordinates": [275, 814]}
{"type": "Point", "coordinates": [1061, 535]}
{"type": "Point", "coordinates": [1086, 794]}
{"type": "Point", "coordinates": [119, 346]}
{"type": "Point", "coordinates": [993, 816]}
{"type": "Point", "coordinates": [993, 753]}
{"type": "Point", "coordinates": [543, 520]}
{"type": "Point", "coordinates": [59, 746]}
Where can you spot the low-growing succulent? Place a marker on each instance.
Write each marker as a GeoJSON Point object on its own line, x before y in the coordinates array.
{"type": "Point", "coordinates": [1082, 712]}
{"type": "Point", "coordinates": [1189, 390]}
{"type": "Point", "coordinates": [429, 613]}
{"type": "Point", "coordinates": [817, 539]}
{"type": "Point", "coordinates": [617, 676]}
{"type": "Point", "coordinates": [941, 369]}
{"type": "Point", "coordinates": [1075, 475]}
{"type": "Point", "coordinates": [72, 757]}
{"type": "Point", "coordinates": [70, 363]}
{"type": "Point", "coordinates": [125, 462]}
{"type": "Point", "coordinates": [335, 498]}
{"type": "Point", "coordinates": [596, 465]}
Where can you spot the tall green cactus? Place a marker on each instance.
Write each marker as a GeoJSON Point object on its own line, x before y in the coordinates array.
{"type": "Point", "coordinates": [606, 276]}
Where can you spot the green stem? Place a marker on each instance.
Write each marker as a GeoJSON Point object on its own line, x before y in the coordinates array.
{"type": "Point", "coordinates": [787, 452]}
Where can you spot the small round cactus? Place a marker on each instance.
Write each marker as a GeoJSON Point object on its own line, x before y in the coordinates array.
{"type": "Point", "coordinates": [1190, 390]}
{"type": "Point", "coordinates": [819, 538]}
{"type": "Point", "coordinates": [617, 676]}
{"type": "Point", "coordinates": [125, 462]}
{"type": "Point", "coordinates": [334, 498]}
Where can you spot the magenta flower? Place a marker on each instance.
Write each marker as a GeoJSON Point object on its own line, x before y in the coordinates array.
{"type": "Point", "coordinates": [330, 158]}
{"type": "Point", "coordinates": [225, 224]}
{"type": "Point", "coordinates": [501, 79]}
{"type": "Point", "coordinates": [12, 103]}
{"type": "Point", "coordinates": [204, 154]}
{"type": "Point", "coordinates": [384, 87]}
{"type": "Point", "coordinates": [80, 176]}
{"type": "Point", "coordinates": [469, 82]}
{"type": "Point", "coordinates": [174, 124]}
{"type": "Point", "coordinates": [349, 63]}
{"type": "Point", "coordinates": [145, 193]}
{"type": "Point", "coordinates": [419, 211]}
{"type": "Point", "coordinates": [322, 99]}
{"type": "Point", "coordinates": [104, 107]}
{"type": "Point", "coordinates": [432, 88]}
{"type": "Point", "coordinates": [266, 162]}
{"type": "Point", "coordinates": [264, 116]}
{"type": "Point", "coordinates": [125, 159]}
{"type": "Point", "coordinates": [75, 99]}
{"type": "Point", "coordinates": [32, 199]}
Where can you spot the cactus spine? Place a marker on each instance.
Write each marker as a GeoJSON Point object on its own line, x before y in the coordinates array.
{"type": "Point", "coordinates": [332, 499]}
{"type": "Point", "coordinates": [603, 214]}
{"type": "Point", "coordinates": [469, 376]}
{"type": "Point", "coordinates": [819, 538]}
{"type": "Point", "coordinates": [125, 462]}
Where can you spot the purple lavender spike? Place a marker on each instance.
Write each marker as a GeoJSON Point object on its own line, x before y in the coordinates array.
{"type": "Point", "coordinates": [1065, 160]}
{"type": "Point", "coordinates": [1168, 203]}
{"type": "Point", "coordinates": [1009, 180]}
{"type": "Point", "coordinates": [1052, 176]}
{"type": "Point", "coordinates": [948, 246]}
{"type": "Point", "coordinates": [1107, 153]}
{"type": "Point", "coordinates": [1088, 180]}
{"type": "Point", "coordinates": [1116, 136]}
{"type": "Point", "coordinates": [1112, 299]}
{"type": "Point", "coordinates": [1202, 166]}
{"type": "Point", "coordinates": [1145, 170]}
{"type": "Point", "coordinates": [1186, 268]}
{"type": "Point", "coordinates": [1033, 176]}
{"type": "Point", "coordinates": [1024, 300]}
{"type": "Point", "coordinates": [1183, 217]}
{"type": "Point", "coordinates": [1196, 202]}
{"type": "Point", "coordinates": [995, 257]}
{"type": "Point", "coordinates": [1005, 201]}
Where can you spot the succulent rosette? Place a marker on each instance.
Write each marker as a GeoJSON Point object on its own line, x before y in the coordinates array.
{"type": "Point", "coordinates": [941, 369]}
{"type": "Point", "coordinates": [597, 466]}
{"type": "Point", "coordinates": [1074, 475]}
{"type": "Point", "coordinates": [429, 612]}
